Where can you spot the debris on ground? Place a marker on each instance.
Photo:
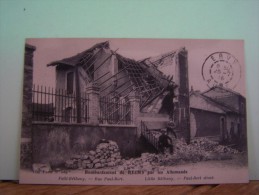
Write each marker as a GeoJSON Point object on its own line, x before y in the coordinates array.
{"type": "Point", "coordinates": [41, 168]}
{"type": "Point", "coordinates": [200, 149]}
{"type": "Point", "coordinates": [107, 154]}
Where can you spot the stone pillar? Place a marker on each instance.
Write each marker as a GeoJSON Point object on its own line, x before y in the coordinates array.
{"type": "Point", "coordinates": [26, 134]}
{"type": "Point", "coordinates": [135, 111]}
{"type": "Point", "coordinates": [93, 92]}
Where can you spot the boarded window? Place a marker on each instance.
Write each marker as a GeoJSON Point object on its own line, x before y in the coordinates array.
{"type": "Point", "coordinates": [70, 82]}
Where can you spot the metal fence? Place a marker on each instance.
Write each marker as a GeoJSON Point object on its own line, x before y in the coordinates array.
{"type": "Point", "coordinates": [149, 136]}
{"type": "Point", "coordinates": [57, 105]}
{"type": "Point", "coordinates": [115, 110]}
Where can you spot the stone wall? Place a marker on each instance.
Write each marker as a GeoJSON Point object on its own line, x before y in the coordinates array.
{"type": "Point", "coordinates": [56, 142]}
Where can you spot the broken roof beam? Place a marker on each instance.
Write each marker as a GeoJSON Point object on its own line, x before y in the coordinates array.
{"type": "Point", "coordinates": [126, 89]}
{"type": "Point", "coordinates": [151, 99]}
{"type": "Point", "coordinates": [117, 88]}
{"type": "Point", "coordinates": [130, 86]}
{"type": "Point", "coordinates": [74, 60]}
{"type": "Point", "coordinates": [93, 62]}
{"type": "Point", "coordinates": [104, 61]}
{"type": "Point", "coordinates": [112, 76]}
{"type": "Point", "coordinates": [84, 60]}
{"type": "Point", "coordinates": [85, 78]}
{"type": "Point", "coordinates": [101, 76]}
{"type": "Point", "coordinates": [102, 90]}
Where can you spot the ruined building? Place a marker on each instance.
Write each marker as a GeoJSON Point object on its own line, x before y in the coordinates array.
{"type": "Point", "coordinates": [223, 110]}
{"type": "Point", "coordinates": [101, 94]}
{"type": "Point", "coordinates": [116, 79]}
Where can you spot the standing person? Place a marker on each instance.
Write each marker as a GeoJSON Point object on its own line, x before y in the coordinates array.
{"type": "Point", "coordinates": [164, 142]}
{"type": "Point", "coordinates": [170, 129]}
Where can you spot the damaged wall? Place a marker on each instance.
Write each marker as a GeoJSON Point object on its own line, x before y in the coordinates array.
{"type": "Point", "coordinates": [54, 143]}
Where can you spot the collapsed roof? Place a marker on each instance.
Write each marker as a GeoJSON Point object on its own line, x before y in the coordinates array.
{"type": "Point", "coordinates": [83, 56]}
{"type": "Point", "coordinates": [146, 80]}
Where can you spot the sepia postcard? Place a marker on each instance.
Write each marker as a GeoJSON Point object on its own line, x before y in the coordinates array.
{"type": "Point", "coordinates": [133, 112]}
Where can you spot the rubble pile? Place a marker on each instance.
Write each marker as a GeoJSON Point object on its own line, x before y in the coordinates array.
{"type": "Point", "coordinates": [202, 149]}
{"type": "Point", "coordinates": [143, 163]}
{"type": "Point", "coordinates": [41, 168]}
{"type": "Point", "coordinates": [225, 149]}
{"type": "Point", "coordinates": [190, 152]}
{"type": "Point", "coordinates": [107, 154]}
{"type": "Point", "coordinates": [204, 144]}
{"type": "Point", "coordinates": [212, 146]}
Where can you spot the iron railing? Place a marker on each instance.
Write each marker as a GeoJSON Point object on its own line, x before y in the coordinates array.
{"type": "Point", "coordinates": [149, 136]}
{"type": "Point", "coordinates": [57, 105]}
{"type": "Point", "coordinates": [114, 110]}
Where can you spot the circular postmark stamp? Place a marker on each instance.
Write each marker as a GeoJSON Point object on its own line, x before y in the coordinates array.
{"type": "Point", "coordinates": [221, 69]}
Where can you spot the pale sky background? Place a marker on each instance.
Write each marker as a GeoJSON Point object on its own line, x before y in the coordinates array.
{"type": "Point", "coordinates": [49, 50]}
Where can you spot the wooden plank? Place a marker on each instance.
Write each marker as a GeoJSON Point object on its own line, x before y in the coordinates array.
{"type": "Point", "coordinates": [200, 189]}
{"type": "Point", "coordinates": [250, 188]}
{"type": "Point", "coordinates": [12, 188]}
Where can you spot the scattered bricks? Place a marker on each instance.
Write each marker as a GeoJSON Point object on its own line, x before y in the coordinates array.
{"type": "Point", "coordinates": [90, 166]}
{"type": "Point", "coordinates": [86, 161]}
{"type": "Point", "coordinates": [110, 148]}
{"type": "Point", "coordinates": [79, 163]}
{"type": "Point", "coordinates": [146, 164]}
{"type": "Point", "coordinates": [71, 164]}
{"type": "Point", "coordinates": [204, 144]}
{"type": "Point", "coordinates": [97, 165]}
{"type": "Point", "coordinates": [103, 161]}
{"type": "Point", "coordinates": [85, 157]}
{"type": "Point", "coordinates": [41, 168]}
{"type": "Point", "coordinates": [91, 158]}
{"type": "Point", "coordinates": [106, 155]}
{"type": "Point", "coordinates": [118, 161]}
{"type": "Point", "coordinates": [113, 155]}
{"type": "Point", "coordinates": [96, 160]}
{"type": "Point", "coordinates": [201, 149]}
{"type": "Point", "coordinates": [101, 146]}
{"type": "Point", "coordinates": [84, 165]}
{"type": "Point", "coordinates": [112, 143]}
{"type": "Point", "coordinates": [111, 164]}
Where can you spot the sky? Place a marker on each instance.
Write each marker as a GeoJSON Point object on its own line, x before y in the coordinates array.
{"type": "Point", "coordinates": [52, 49]}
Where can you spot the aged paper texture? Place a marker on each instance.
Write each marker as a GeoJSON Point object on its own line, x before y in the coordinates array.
{"type": "Point", "coordinates": [134, 112]}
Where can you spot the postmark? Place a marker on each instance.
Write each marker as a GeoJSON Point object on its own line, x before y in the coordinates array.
{"type": "Point", "coordinates": [221, 69]}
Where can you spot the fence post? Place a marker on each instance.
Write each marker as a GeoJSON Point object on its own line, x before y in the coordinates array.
{"type": "Point", "coordinates": [135, 110]}
{"type": "Point", "coordinates": [93, 92]}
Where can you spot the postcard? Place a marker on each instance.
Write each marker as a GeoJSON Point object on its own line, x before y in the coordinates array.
{"type": "Point", "coordinates": [133, 112]}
